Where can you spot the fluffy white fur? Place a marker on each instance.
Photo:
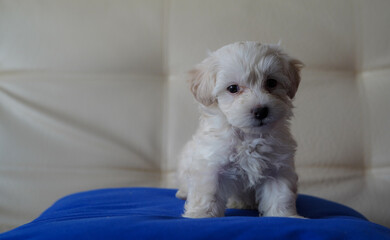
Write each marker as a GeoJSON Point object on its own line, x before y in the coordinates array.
{"type": "Point", "coordinates": [234, 159]}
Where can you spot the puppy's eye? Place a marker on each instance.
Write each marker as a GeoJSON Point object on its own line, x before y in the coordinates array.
{"type": "Point", "coordinates": [233, 88]}
{"type": "Point", "coordinates": [271, 83]}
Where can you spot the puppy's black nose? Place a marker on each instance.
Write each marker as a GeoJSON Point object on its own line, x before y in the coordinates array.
{"type": "Point", "coordinates": [260, 113]}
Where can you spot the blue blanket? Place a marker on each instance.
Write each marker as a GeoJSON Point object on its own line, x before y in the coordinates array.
{"type": "Point", "coordinates": [148, 213]}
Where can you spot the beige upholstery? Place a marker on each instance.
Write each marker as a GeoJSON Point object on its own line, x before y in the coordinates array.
{"type": "Point", "coordinates": [93, 94]}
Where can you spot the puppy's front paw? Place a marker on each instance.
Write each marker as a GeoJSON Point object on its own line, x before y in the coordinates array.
{"type": "Point", "coordinates": [203, 213]}
{"type": "Point", "coordinates": [196, 215]}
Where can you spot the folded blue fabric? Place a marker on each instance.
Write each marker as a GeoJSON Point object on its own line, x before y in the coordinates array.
{"type": "Point", "coordinates": [150, 213]}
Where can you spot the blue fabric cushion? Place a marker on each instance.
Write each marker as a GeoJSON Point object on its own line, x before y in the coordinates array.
{"type": "Point", "coordinates": [149, 213]}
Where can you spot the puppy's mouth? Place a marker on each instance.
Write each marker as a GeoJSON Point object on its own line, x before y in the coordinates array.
{"type": "Point", "coordinates": [259, 123]}
{"type": "Point", "coordinates": [257, 127]}
{"type": "Point", "coordinates": [262, 123]}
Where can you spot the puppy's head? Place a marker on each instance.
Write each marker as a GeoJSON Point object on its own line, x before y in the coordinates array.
{"type": "Point", "coordinates": [252, 84]}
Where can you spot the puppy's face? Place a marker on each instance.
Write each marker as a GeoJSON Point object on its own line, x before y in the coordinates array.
{"type": "Point", "coordinates": [252, 84]}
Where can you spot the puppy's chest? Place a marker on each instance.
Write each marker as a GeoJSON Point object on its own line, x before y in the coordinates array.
{"type": "Point", "coordinates": [253, 160]}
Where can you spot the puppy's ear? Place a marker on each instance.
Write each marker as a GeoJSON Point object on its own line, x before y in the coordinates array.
{"type": "Point", "coordinates": [202, 81]}
{"type": "Point", "coordinates": [294, 69]}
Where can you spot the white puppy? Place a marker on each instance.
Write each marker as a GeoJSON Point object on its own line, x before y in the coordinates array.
{"type": "Point", "coordinates": [242, 154]}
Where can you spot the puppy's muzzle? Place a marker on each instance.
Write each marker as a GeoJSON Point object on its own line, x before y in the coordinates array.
{"type": "Point", "coordinates": [260, 113]}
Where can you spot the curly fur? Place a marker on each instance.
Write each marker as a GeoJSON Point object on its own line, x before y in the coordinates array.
{"type": "Point", "coordinates": [234, 158]}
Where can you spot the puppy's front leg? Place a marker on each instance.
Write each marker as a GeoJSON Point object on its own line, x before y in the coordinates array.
{"type": "Point", "coordinates": [204, 200]}
{"type": "Point", "coordinates": [277, 196]}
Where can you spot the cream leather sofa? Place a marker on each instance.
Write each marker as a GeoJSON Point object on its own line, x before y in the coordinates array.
{"type": "Point", "coordinates": [93, 94]}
